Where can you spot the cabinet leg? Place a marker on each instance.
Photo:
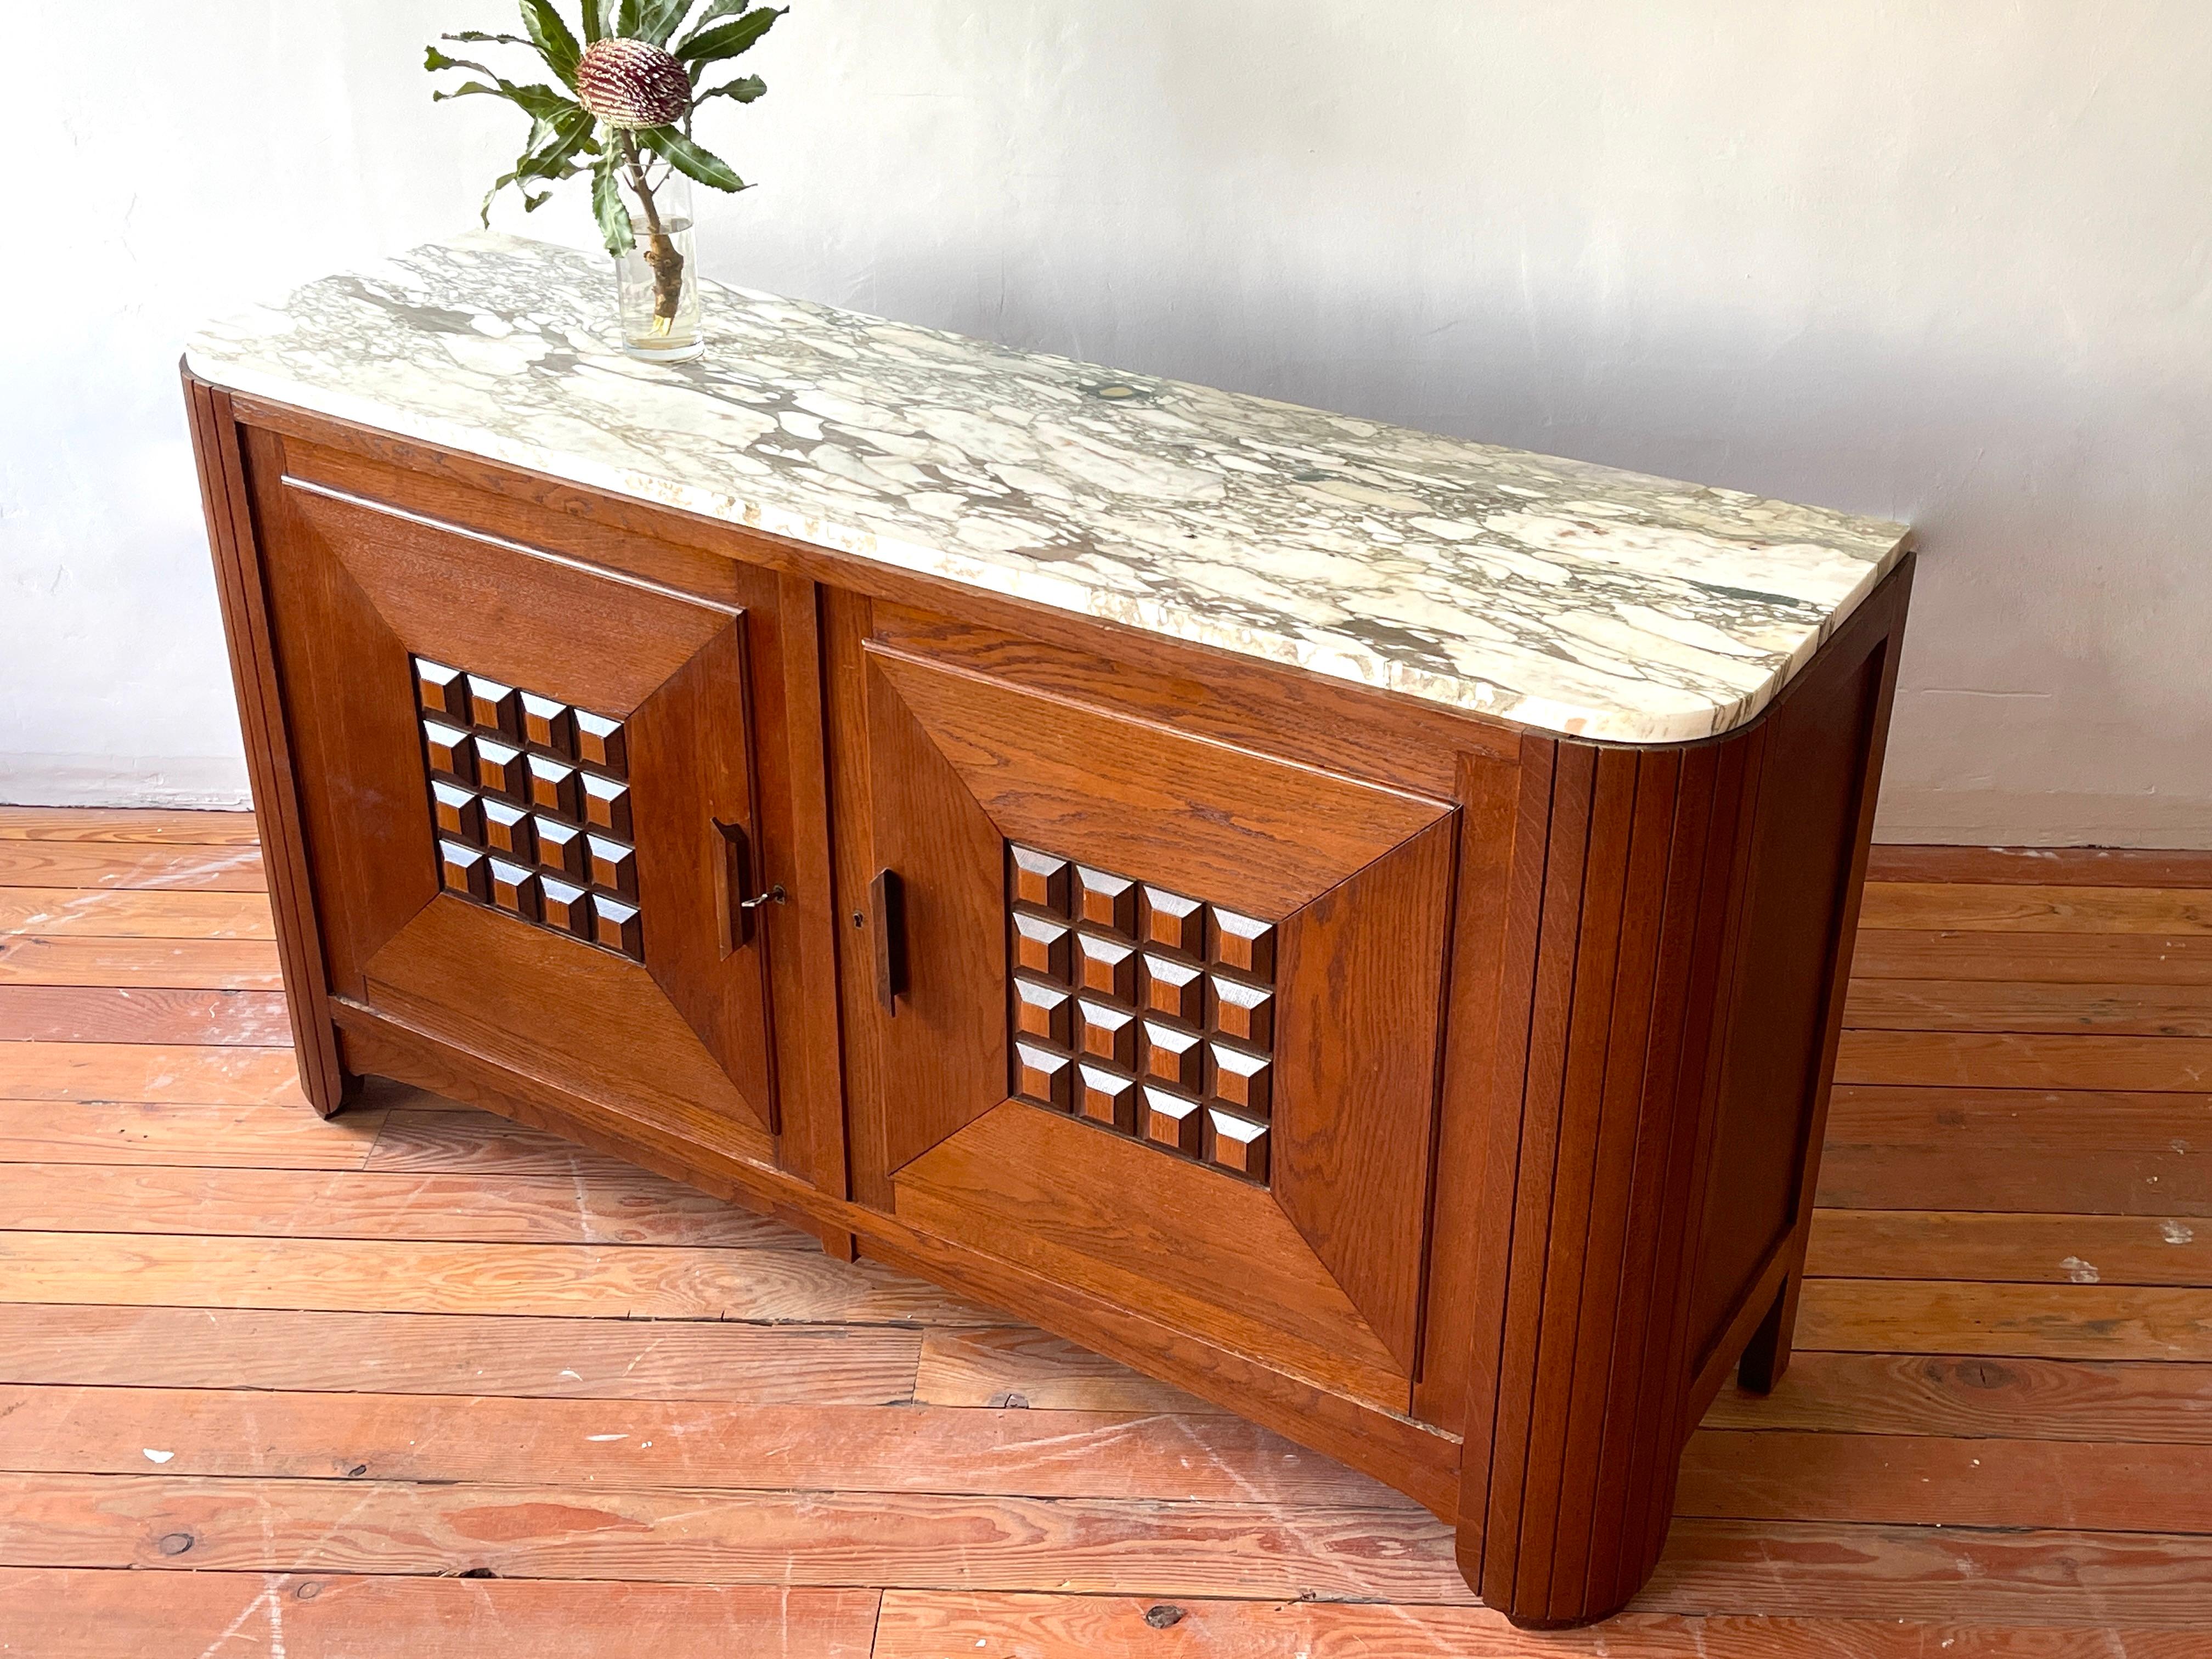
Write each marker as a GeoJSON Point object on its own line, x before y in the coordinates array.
{"type": "Point", "coordinates": [1767, 1355]}
{"type": "Point", "coordinates": [1546, 1625]}
{"type": "Point", "coordinates": [330, 1091]}
{"type": "Point", "coordinates": [1581, 1576]}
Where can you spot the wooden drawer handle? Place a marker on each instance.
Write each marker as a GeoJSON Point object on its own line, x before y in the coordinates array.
{"type": "Point", "coordinates": [738, 877]}
{"type": "Point", "coordinates": [887, 897]}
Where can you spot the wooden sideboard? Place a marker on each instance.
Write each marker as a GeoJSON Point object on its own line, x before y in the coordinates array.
{"type": "Point", "coordinates": [1443, 1093]}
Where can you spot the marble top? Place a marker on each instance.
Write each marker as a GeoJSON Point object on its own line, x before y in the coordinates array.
{"type": "Point", "coordinates": [1560, 595]}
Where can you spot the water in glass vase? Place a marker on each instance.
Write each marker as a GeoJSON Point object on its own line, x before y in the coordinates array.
{"type": "Point", "coordinates": [656, 279]}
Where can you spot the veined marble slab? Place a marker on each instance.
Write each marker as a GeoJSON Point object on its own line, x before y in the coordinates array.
{"type": "Point", "coordinates": [1572, 597]}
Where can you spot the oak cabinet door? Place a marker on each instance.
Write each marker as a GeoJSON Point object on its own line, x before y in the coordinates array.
{"type": "Point", "coordinates": [1161, 1017]}
{"type": "Point", "coordinates": [526, 788]}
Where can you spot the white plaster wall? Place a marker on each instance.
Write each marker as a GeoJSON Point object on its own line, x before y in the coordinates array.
{"type": "Point", "coordinates": [1948, 260]}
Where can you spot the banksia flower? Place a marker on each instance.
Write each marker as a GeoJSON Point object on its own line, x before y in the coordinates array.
{"type": "Point", "coordinates": [632, 84]}
{"type": "Point", "coordinates": [623, 114]}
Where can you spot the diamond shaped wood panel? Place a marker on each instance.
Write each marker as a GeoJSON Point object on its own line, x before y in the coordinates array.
{"type": "Point", "coordinates": [530, 799]}
{"type": "Point", "coordinates": [1145, 1011]}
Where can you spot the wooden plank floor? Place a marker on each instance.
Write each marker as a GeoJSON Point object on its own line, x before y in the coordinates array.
{"type": "Point", "coordinates": [420, 1382]}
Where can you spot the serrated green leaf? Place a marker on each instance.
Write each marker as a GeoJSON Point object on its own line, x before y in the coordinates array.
{"type": "Point", "coordinates": [434, 60]}
{"type": "Point", "coordinates": [713, 45]}
{"type": "Point", "coordinates": [608, 207]}
{"type": "Point", "coordinates": [478, 37]}
{"type": "Point", "coordinates": [745, 90]}
{"type": "Point", "coordinates": [657, 20]}
{"type": "Point", "coordinates": [689, 159]}
{"type": "Point", "coordinates": [467, 89]}
{"type": "Point", "coordinates": [537, 101]}
{"type": "Point", "coordinates": [551, 36]}
{"type": "Point", "coordinates": [626, 19]}
{"type": "Point", "coordinates": [595, 21]}
{"type": "Point", "coordinates": [550, 162]}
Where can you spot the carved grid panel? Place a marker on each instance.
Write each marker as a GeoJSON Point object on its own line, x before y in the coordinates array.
{"type": "Point", "coordinates": [530, 798]}
{"type": "Point", "coordinates": [1142, 1011]}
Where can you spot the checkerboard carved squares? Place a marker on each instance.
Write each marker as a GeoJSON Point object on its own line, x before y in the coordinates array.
{"type": "Point", "coordinates": [1142, 1011]}
{"type": "Point", "coordinates": [530, 801]}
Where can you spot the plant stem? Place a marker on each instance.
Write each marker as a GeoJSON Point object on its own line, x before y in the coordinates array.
{"type": "Point", "coordinates": [660, 250]}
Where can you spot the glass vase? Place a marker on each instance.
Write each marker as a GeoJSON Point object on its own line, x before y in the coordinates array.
{"type": "Point", "coordinates": [656, 281]}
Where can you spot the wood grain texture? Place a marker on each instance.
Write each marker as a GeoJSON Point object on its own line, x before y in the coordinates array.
{"type": "Point", "coordinates": [1931, 1481]}
{"type": "Point", "coordinates": [1135, 796]}
{"type": "Point", "coordinates": [942, 1040]}
{"type": "Point", "coordinates": [134, 1132]}
{"type": "Point", "coordinates": [1998, 1247]}
{"type": "Point", "coordinates": [2018, 1150]}
{"type": "Point", "coordinates": [1103, 1544]}
{"type": "Point", "coordinates": [2035, 959]}
{"type": "Point", "coordinates": [1798, 1569]}
{"type": "Point", "coordinates": [1404, 1453]}
{"type": "Point", "coordinates": [2018, 1119]}
{"type": "Point", "coordinates": [1534, 1420]}
{"type": "Point", "coordinates": [219, 450]}
{"type": "Point", "coordinates": [688, 651]}
{"type": "Point", "coordinates": [2078, 866]}
{"type": "Point", "coordinates": [1484, 980]}
{"type": "Point", "coordinates": [608, 1207]}
{"type": "Point", "coordinates": [692, 762]}
{"type": "Point", "coordinates": [61, 1613]}
{"type": "Point", "coordinates": [1306, 718]}
{"type": "Point", "coordinates": [1908, 1004]}
{"type": "Point", "coordinates": [2050, 1578]}
{"type": "Point", "coordinates": [862, 958]}
{"type": "Point", "coordinates": [606, 1281]}
{"type": "Point", "coordinates": [543, 1013]}
{"type": "Point", "coordinates": [959, 763]}
{"type": "Point", "coordinates": [51, 864]}
{"type": "Point", "coordinates": [184, 964]}
{"type": "Point", "coordinates": [2017, 909]}
{"type": "Point", "coordinates": [437, 583]}
{"type": "Point", "coordinates": [128, 824]}
{"type": "Point", "coordinates": [1963, 1396]}
{"type": "Point", "coordinates": [1819, 776]}
{"type": "Point", "coordinates": [653, 1445]}
{"type": "Point", "coordinates": [1548, 918]}
{"type": "Point", "coordinates": [1020, 1366]}
{"type": "Point", "coordinates": [441, 1138]}
{"type": "Point", "coordinates": [794, 934]}
{"type": "Point", "coordinates": [931, 1624]}
{"type": "Point", "coordinates": [1959, 1059]}
{"type": "Point", "coordinates": [2174, 1182]}
{"type": "Point", "coordinates": [154, 1072]}
{"type": "Point", "coordinates": [2068, 1322]}
{"type": "Point", "coordinates": [1482, 1122]}
{"type": "Point", "coordinates": [134, 913]}
{"type": "Point", "coordinates": [1630, 939]}
{"type": "Point", "coordinates": [804, 933]}
{"type": "Point", "coordinates": [625, 537]}
{"type": "Point", "coordinates": [78, 1014]}
{"type": "Point", "coordinates": [1217, 1258]}
{"type": "Point", "coordinates": [1360, 985]}
{"type": "Point", "coordinates": [471, 1355]}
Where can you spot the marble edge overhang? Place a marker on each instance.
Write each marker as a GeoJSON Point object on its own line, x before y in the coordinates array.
{"type": "Point", "coordinates": [1339, 659]}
